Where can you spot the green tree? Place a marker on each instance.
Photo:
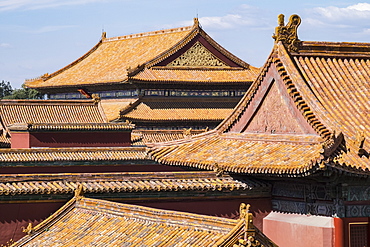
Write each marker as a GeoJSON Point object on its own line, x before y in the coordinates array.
{"type": "Point", "coordinates": [24, 93]}
{"type": "Point", "coordinates": [5, 89]}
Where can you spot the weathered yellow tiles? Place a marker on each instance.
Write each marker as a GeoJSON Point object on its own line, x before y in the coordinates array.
{"type": "Point", "coordinates": [330, 87]}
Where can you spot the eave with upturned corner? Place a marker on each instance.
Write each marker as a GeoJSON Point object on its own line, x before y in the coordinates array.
{"type": "Point", "coordinates": [157, 67]}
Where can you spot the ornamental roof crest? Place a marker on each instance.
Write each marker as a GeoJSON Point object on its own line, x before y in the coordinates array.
{"type": "Point", "coordinates": [288, 34]}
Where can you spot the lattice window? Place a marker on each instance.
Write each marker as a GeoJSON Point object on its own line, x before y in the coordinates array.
{"type": "Point", "coordinates": [358, 234]}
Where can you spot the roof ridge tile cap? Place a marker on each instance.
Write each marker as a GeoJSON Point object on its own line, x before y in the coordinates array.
{"type": "Point", "coordinates": [150, 33]}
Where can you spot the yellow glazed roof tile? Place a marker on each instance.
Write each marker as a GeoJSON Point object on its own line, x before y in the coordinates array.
{"type": "Point", "coordinates": [327, 83]}
{"type": "Point", "coordinates": [110, 59]}
{"type": "Point", "coordinates": [50, 111]}
{"type": "Point", "coordinates": [112, 107]}
{"type": "Point", "coordinates": [238, 155]}
{"type": "Point", "coordinates": [180, 110]}
{"type": "Point", "coordinates": [71, 154]}
{"type": "Point", "coordinates": [83, 221]}
{"type": "Point", "coordinates": [198, 75]}
{"type": "Point", "coordinates": [131, 57]}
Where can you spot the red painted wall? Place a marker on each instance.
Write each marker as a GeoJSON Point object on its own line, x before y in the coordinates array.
{"type": "Point", "coordinates": [15, 215]}
{"type": "Point", "coordinates": [227, 207]}
{"type": "Point", "coordinates": [90, 169]}
{"type": "Point", "coordinates": [20, 140]}
{"type": "Point", "coordinates": [291, 230]}
{"type": "Point", "coordinates": [71, 139]}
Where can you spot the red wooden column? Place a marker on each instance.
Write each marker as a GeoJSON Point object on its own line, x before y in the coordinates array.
{"type": "Point", "coordinates": [338, 232]}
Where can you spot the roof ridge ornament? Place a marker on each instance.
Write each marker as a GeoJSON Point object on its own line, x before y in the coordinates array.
{"type": "Point", "coordinates": [248, 238]}
{"type": "Point", "coordinates": [218, 170]}
{"type": "Point", "coordinates": [196, 22]}
{"type": "Point", "coordinates": [79, 192]}
{"type": "Point", "coordinates": [358, 144]}
{"type": "Point", "coordinates": [96, 98]}
{"type": "Point", "coordinates": [29, 230]}
{"type": "Point", "coordinates": [288, 33]}
{"type": "Point", "coordinates": [332, 143]}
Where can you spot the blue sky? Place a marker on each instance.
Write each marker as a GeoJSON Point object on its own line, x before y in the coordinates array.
{"type": "Point", "coordinates": [42, 36]}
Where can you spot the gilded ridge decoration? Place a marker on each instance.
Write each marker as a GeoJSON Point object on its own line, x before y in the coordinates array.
{"type": "Point", "coordinates": [187, 133]}
{"type": "Point", "coordinates": [331, 144]}
{"type": "Point", "coordinates": [248, 237]}
{"type": "Point", "coordinates": [288, 34]}
{"type": "Point", "coordinates": [198, 56]}
{"type": "Point", "coordinates": [29, 230]}
{"type": "Point", "coordinates": [218, 170]}
{"type": "Point", "coordinates": [358, 144]}
{"type": "Point", "coordinates": [79, 192]}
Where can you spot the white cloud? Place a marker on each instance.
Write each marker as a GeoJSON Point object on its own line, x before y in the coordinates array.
{"type": "Point", "coordinates": [245, 15]}
{"type": "Point", "coordinates": [352, 12]}
{"type": "Point", "coordinates": [7, 5]}
{"type": "Point", "coordinates": [222, 22]}
{"type": "Point", "coordinates": [5, 45]}
{"type": "Point", "coordinates": [348, 23]}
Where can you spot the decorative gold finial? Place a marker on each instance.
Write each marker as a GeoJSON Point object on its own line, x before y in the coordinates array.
{"type": "Point", "coordinates": [79, 191]}
{"type": "Point", "coordinates": [248, 237]}
{"type": "Point", "coordinates": [8, 243]}
{"type": "Point", "coordinates": [332, 143]}
{"type": "Point", "coordinates": [243, 210]}
{"type": "Point", "coordinates": [45, 76]}
{"type": "Point", "coordinates": [104, 35]}
{"type": "Point", "coordinates": [358, 143]}
{"type": "Point", "coordinates": [96, 98]}
{"type": "Point", "coordinates": [28, 230]}
{"type": "Point", "coordinates": [288, 34]}
{"type": "Point", "coordinates": [196, 21]}
{"type": "Point", "coordinates": [281, 20]}
{"type": "Point", "coordinates": [218, 170]}
{"type": "Point", "coordinates": [187, 132]}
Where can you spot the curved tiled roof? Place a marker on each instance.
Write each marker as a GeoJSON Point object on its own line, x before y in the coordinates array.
{"type": "Point", "coordinates": [23, 184]}
{"type": "Point", "coordinates": [326, 84]}
{"type": "Point", "coordinates": [141, 137]}
{"type": "Point", "coordinates": [238, 153]}
{"type": "Point", "coordinates": [71, 154]}
{"type": "Point", "coordinates": [192, 75]}
{"type": "Point", "coordinates": [84, 221]}
{"type": "Point", "coordinates": [112, 107]}
{"type": "Point", "coordinates": [72, 126]}
{"type": "Point", "coordinates": [89, 221]}
{"type": "Point", "coordinates": [50, 111]}
{"type": "Point", "coordinates": [178, 109]}
{"type": "Point", "coordinates": [112, 57]}
{"type": "Point", "coordinates": [131, 57]}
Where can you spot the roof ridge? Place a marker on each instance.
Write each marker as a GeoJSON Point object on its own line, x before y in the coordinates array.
{"type": "Point", "coordinates": [180, 141]}
{"type": "Point", "coordinates": [300, 103]}
{"type": "Point", "coordinates": [150, 33]}
{"type": "Point", "coordinates": [99, 175]}
{"type": "Point", "coordinates": [44, 101]}
{"type": "Point", "coordinates": [48, 76]}
{"type": "Point", "coordinates": [70, 149]}
{"type": "Point", "coordinates": [172, 217]}
{"type": "Point", "coordinates": [34, 231]}
{"type": "Point", "coordinates": [196, 29]}
{"type": "Point", "coordinates": [228, 122]}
